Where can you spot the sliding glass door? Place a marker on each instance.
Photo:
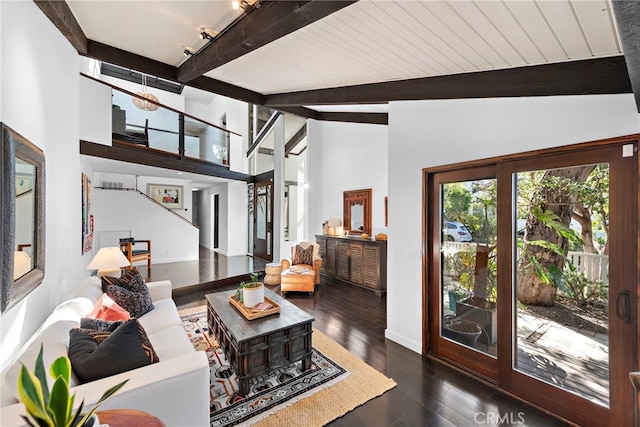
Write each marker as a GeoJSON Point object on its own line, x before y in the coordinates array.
{"type": "Point", "coordinates": [531, 278]}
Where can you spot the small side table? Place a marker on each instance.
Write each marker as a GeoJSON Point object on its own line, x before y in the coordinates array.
{"type": "Point", "coordinates": [272, 276]}
{"type": "Point", "coordinates": [128, 418]}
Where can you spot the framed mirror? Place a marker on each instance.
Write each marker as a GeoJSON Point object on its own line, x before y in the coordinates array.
{"type": "Point", "coordinates": [22, 191]}
{"type": "Point", "coordinates": [357, 211]}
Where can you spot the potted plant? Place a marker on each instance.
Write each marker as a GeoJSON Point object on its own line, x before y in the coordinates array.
{"type": "Point", "coordinates": [54, 408]}
{"type": "Point", "coordinates": [252, 293]}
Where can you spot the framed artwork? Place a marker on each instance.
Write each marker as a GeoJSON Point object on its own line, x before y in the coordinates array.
{"type": "Point", "coordinates": [87, 218]}
{"type": "Point", "coordinates": [169, 196]}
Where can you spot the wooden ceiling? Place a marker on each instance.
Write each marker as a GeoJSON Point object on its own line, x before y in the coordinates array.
{"type": "Point", "coordinates": [293, 55]}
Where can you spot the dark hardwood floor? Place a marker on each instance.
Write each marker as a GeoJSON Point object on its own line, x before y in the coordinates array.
{"type": "Point", "coordinates": [428, 393]}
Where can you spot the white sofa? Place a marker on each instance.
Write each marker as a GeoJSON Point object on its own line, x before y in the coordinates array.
{"type": "Point", "coordinates": [176, 389]}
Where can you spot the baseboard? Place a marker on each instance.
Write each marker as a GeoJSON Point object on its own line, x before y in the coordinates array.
{"type": "Point", "coordinates": [403, 341]}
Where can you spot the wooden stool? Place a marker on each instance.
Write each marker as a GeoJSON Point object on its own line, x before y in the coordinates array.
{"type": "Point", "coordinates": [272, 270]}
{"type": "Point", "coordinates": [296, 279]}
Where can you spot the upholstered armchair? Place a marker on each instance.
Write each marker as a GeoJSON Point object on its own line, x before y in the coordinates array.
{"type": "Point", "coordinates": [305, 254]}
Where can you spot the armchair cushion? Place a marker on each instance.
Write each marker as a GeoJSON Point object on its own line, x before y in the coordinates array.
{"type": "Point", "coordinates": [96, 354]}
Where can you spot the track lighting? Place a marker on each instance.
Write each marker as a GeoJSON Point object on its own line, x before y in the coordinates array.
{"type": "Point", "coordinates": [204, 35]}
{"type": "Point", "coordinates": [188, 52]}
{"type": "Point", "coordinates": [237, 4]}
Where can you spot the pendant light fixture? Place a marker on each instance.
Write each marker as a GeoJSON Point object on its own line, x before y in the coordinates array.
{"type": "Point", "coordinates": [144, 104]}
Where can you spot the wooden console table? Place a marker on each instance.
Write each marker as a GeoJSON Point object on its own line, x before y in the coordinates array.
{"type": "Point", "coordinates": [255, 347]}
{"type": "Point", "coordinates": [361, 262]}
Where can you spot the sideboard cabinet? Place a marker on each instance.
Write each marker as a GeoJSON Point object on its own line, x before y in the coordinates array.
{"type": "Point", "coordinates": [354, 260]}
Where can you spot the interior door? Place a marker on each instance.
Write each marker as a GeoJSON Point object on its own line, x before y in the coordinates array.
{"type": "Point", "coordinates": [263, 220]}
{"type": "Point", "coordinates": [486, 294]}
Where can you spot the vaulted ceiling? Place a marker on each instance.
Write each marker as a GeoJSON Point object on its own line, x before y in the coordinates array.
{"type": "Point", "coordinates": [314, 57]}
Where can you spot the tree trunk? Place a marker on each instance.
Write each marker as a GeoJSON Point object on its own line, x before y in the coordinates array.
{"type": "Point", "coordinates": [531, 288]}
{"type": "Point", "coordinates": [583, 216]}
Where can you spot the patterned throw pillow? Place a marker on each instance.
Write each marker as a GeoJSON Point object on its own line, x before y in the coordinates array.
{"type": "Point", "coordinates": [96, 354]}
{"type": "Point", "coordinates": [130, 292]}
{"type": "Point", "coordinates": [303, 256]}
{"type": "Point", "coordinates": [99, 324]}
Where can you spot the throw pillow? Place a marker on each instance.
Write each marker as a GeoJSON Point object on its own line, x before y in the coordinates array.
{"type": "Point", "coordinates": [130, 292]}
{"type": "Point", "coordinates": [98, 354]}
{"type": "Point", "coordinates": [108, 309]}
{"type": "Point", "coordinates": [303, 256]}
{"type": "Point", "coordinates": [99, 324]}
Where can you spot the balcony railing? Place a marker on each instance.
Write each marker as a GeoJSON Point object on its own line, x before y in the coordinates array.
{"type": "Point", "coordinates": [166, 129]}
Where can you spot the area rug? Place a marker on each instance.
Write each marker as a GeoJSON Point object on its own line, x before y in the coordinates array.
{"type": "Point", "coordinates": [337, 383]}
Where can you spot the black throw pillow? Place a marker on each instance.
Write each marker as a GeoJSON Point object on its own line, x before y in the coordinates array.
{"type": "Point", "coordinates": [129, 292]}
{"type": "Point", "coordinates": [99, 324]}
{"type": "Point", "coordinates": [96, 354]}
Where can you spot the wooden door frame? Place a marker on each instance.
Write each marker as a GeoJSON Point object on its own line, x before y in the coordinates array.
{"type": "Point", "coordinates": [631, 207]}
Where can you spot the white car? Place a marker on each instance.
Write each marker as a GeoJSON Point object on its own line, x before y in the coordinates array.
{"type": "Point", "coordinates": [455, 232]}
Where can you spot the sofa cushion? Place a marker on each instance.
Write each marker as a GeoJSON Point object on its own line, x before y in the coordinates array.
{"type": "Point", "coordinates": [164, 315]}
{"type": "Point", "coordinates": [171, 342]}
{"type": "Point", "coordinates": [96, 354]}
{"type": "Point", "coordinates": [108, 309]}
{"type": "Point", "coordinates": [130, 292]}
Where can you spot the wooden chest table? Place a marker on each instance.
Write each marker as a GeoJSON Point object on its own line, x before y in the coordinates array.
{"type": "Point", "coordinates": [254, 347]}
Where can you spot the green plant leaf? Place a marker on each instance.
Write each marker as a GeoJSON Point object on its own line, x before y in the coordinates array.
{"type": "Point", "coordinates": [41, 374]}
{"type": "Point", "coordinates": [107, 394]}
{"type": "Point", "coordinates": [59, 402]}
{"type": "Point", "coordinates": [61, 367]}
{"type": "Point", "coordinates": [30, 392]}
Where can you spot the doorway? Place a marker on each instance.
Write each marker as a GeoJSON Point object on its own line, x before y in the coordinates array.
{"type": "Point", "coordinates": [216, 221]}
{"type": "Point", "coordinates": [263, 218]}
{"type": "Point", "coordinates": [518, 246]}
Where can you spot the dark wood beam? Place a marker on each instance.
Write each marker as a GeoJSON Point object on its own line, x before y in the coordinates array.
{"type": "Point", "coordinates": [267, 22]}
{"type": "Point", "coordinates": [140, 155]}
{"type": "Point", "coordinates": [354, 117]}
{"type": "Point", "coordinates": [152, 67]}
{"type": "Point", "coordinates": [295, 139]}
{"type": "Point", "coordinates": [627, 15]}
{"type": "Point", "coordinates": [61, 16]}
{"type": "Point", "coordinates": [586, 77]}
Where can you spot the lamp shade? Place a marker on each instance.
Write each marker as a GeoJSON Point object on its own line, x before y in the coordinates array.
{"type": "Point", "coordinates": [108, 261]}
{"type": "Point", "coordinates": [21, 264]}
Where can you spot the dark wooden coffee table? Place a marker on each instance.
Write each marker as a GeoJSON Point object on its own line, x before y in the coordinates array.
{"type": "Point", "coordinates": [254, 347]}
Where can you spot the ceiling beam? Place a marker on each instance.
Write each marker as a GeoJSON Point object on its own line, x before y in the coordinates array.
{"type": "Point", "coordinates": [627, 14]}
{"type": "Point", "coordinates": [61, 16]}
{"type": "Point", "coordinates": [355, 117]}
{"type": "Point", "coordinates": [268, 21]}
{"type": "Point", "coordinates": [586, 77]}
{"type": "Point", "coordinates": [149, 66]}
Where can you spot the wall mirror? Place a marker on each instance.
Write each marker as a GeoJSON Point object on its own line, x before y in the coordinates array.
{"type": "Point", "coordinates": [22, 194]}
{"type": "Point", "coordinates": [357, 211]}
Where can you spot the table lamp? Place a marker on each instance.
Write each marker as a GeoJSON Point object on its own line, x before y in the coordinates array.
{"type": "Point", "coordinates": [21, 264]}
{"type": "Point", "coordinates": [108, 262]}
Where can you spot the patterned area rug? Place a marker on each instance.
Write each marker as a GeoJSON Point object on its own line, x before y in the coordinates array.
{"type": "Point", "coordinates": [268, 393]}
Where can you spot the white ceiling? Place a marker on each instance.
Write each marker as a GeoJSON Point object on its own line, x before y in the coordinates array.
{"type": "Point", "coordinates": [368, 41]}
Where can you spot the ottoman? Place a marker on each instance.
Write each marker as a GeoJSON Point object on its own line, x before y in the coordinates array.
{"type": "Point", "coordinates": [297, 279]}
{"type": "Point", "coordinates": [272, 273]}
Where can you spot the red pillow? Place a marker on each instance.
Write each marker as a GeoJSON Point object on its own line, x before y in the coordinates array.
{"type": "Point", "coordinates": [107, 309]}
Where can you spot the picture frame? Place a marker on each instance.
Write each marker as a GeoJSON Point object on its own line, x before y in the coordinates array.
{"type": "Point", "coordinates": [169, 196]}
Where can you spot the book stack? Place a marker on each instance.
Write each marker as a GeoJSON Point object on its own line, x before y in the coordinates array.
{"type": "Point", "coordinates": [262, 306]}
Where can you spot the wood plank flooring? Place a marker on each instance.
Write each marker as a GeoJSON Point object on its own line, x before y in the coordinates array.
{"type": "Point", "coordinates": [428, 393]}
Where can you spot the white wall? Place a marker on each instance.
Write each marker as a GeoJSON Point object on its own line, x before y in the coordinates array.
{"type": "Point", "coordinates": [431, 133]}
{"type": "Point", "coordinates": [172, 238]}
{"type": "Point", "coordinates": [40, 92]}
{"type": "Point", "coordinates": [343, 157]}
{"type": "Point", "coordinates": [95, 111]}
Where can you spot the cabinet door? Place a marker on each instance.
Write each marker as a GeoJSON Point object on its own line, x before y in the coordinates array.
{"type": "Point", "coordinates": [370, 267]}
{"type": "Point", "coordinates": [331, 257]}
{"type": "Point", "coordinates": [355, 256]}
{"type": "Point", "coordinates": [323, 254]}
{"type": "Point", "coordinates": [343, 261]}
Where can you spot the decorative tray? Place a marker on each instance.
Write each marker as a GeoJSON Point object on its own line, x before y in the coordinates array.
{"type": "Point", "coordinates": [251, 315]}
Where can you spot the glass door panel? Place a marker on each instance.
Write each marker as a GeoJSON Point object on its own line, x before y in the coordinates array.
{"type": "Point", "coordinates": [468, 291]}
{"type": "Point", "coordinates": [561, 278]}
